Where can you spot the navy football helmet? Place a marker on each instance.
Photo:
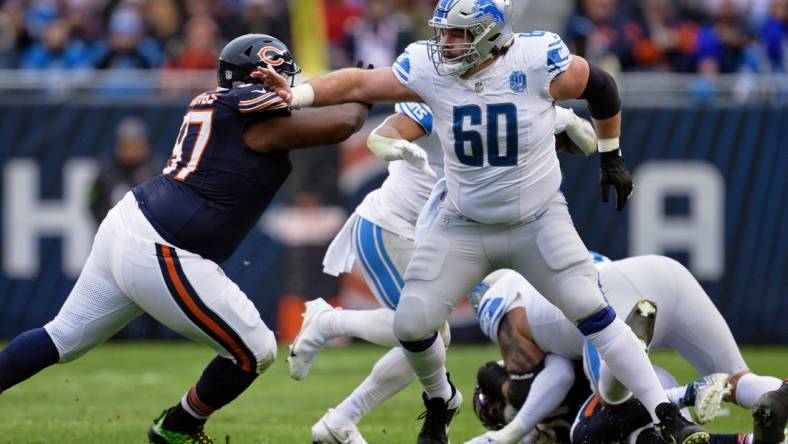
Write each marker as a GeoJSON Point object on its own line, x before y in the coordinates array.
{"type": "Point", "coordinates": [244, 54]}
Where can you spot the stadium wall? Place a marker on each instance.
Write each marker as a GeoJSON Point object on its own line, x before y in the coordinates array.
{"type": "Point", "coordinates": [710, 192]}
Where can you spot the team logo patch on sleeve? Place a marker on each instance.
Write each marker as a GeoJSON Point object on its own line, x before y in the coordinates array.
{"type": "Point", "coordinates": [517, 81]}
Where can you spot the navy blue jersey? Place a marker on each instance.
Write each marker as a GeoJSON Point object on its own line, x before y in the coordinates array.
{"type": "Point", "coordinates": [214, 188]}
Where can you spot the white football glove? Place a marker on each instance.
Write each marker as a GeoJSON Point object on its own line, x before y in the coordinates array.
{"type": "Point", "coordinates": [414, 155]}
{"type": "Point", "coordinates": [511, 434]}
{"type": "Point", "coordinates": [578, 129]}
{"type": "Point", "coordinates": [400, 149]}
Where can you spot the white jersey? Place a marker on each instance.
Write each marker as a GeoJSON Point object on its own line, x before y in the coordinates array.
{"type": "Point", "coordinates": [396, 204]}
{"type": "Point", "coordinates": [623, 283]}
{"type": "Point", "coordinates": [496, 127]}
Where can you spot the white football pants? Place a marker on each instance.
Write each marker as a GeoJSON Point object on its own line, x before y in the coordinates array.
{"type": "Point", "coordinates": [132, 270]}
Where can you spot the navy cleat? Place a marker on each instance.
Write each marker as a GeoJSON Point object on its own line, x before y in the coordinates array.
{"type": "Point", "coordinates": [438, 416]}
{"type": "Point", "coordinates": [770, 415]}
{"type": "Point", "coordinates": [676, 429]}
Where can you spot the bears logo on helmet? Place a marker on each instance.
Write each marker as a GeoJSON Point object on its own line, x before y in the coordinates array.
{"type": "Point", "coordinates": [274, 60]}
{"type": "Point", "coordinates": [244, 54]}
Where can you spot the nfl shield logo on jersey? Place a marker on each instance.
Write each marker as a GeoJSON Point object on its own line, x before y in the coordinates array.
{"type": "Point", "coordinates": [517, 81]}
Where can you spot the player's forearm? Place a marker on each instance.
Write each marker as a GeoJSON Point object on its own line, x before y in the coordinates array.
{"type": "Point", "coordinates": [306, 128]}
{"type": "Point", "coordinates": [355, 85]}
{"type": "Point", "coordinates": [335, 87]}
{"type": "Point", "coordinates": [604, 102]}
{"type": "Point", "coordinates": [608, 128]}
{"type": "Point", "coordinates": [547, 392]}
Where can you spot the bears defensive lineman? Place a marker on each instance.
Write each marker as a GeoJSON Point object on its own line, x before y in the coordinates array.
{"type": "Point", "coordinates": [492, 93]}
{"type": "Point", "coordinates": [158, 250]}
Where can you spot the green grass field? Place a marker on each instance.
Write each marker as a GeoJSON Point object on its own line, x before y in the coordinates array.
{"type": "Point", "coordinates": [112, 394]}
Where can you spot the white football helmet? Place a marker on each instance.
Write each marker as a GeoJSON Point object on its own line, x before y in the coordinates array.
{"type": "Point", "coordinates": [477, 294]}
{"type": "Point", "coordinates": [488, 29]}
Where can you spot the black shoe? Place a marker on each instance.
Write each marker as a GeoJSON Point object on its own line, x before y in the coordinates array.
{"type": "Point", "coordinates": [769, 416]}
{"type": "Point", "coordinates": [437, 417]}
{"type": "Point", "coordinates": [642, 319]}
{"type": "Point", "coordinates": [676, 429]}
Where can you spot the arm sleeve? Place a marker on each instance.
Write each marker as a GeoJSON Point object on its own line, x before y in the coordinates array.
{"type": "Point", "coordinates": [412, 68]}
{"type": "Point", "coordinates": [418, 112]}
{"type": "Point", "coordinates": [558, 57]}
{"type": "Point", "coordinates": [548, 391]}
{"type": "Point", "coordinates": [548, 57]}
{"type": "Point", "coordinates": [256, 99]}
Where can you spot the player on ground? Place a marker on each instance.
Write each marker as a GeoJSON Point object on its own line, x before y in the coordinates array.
{"type": "Point", "coordinates": [158, 250]}
{"type": "Point", "coordinates": [629, 422]}
{"type": "Point", "coordinates": [380, 235]}
{"type": "Point", "coordinates": [492, 93]}
{"type": "Point", "coordinates": [512, 313]}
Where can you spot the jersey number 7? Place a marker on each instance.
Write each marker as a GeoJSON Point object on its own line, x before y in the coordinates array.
{"type": "Point", "coordinates": [192, 139]}
{"type": "Point", "coordinates": [476, 141]}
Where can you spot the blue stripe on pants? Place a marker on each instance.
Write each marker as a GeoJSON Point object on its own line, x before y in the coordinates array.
{"type": "Point", "coordinates": [374, 259]}
{"type": "Point", "coordinates": [593, 362]}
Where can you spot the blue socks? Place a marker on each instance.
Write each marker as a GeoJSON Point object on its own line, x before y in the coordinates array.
{"type": "Point", "coordinates": [26, 355]}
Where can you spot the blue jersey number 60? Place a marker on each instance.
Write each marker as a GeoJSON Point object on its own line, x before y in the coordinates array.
{"type": "Point", "coordinates": [473, 114]}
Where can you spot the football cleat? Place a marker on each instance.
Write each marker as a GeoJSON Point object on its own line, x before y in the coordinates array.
{"type": "Point", "coordinates": [157, 434]}
{"type": "Point", "coordinates": [709, 391]}
{"type": "Point", "coordinates": [642, 319]}
{"type": "Point", "coordinates": [335, 428]}
{"type": "Point", "coordinates": [438, 416]}
{"type": "Point", "coordinates": [676, 429]}
{"type": "Point", "coordinates": [770, 415]}
{"type": "Point", "coordinates": [310, 340]}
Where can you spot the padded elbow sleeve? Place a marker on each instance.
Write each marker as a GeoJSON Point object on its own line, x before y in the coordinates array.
{"type": "Point", "coordinates": [601, 93]}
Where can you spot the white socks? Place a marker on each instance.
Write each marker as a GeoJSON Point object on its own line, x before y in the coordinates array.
{"type": "Point", "coordinates": [390, 375]}
{"type": "Point", "coordinates": [751, 387]}
{"type": "Point", "coordinates": [430, 369]}
{"type": "Point", "coordinates": [624, 355]}
{"type": "Point", "coordinates": [375, 326]}
{"type": "Point", "coordinates": [676, 395]}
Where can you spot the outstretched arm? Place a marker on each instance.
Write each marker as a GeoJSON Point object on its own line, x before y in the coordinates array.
{"type": "Point", "coordinates": [584, 81]}
{"type": "Point", "coordinates": [341, 86]}
{"type": "Point", "coordinates": [306, 128]}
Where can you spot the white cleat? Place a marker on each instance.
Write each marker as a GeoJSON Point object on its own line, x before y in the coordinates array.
{"type": "Point", "coordinates": [310, 340]}
{"type": "Point", "coordinates": [709, 391]}
{"type": "Point", "coordinates": [335, 428]}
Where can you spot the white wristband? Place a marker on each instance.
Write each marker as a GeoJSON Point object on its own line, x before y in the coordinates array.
{"type": "Point", "coordinates": [607, 145]}
{"type": "Point", "coordinates": [303, 95]}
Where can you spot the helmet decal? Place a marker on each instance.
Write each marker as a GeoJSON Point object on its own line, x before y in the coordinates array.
{"type": "Point", "coordinates": [271, 55]}
{"type": "Point", "coordinates": [482, 8]}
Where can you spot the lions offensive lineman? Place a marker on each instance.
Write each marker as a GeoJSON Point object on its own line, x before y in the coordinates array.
{"type": "Point", "coordinates": [512, 313]}
{"type": "Point", "coordinates": [158, 250]}
{"type": "Point", "coordinates": [380, 236]}
{"type": "Point", "coordinates": [492, 93]}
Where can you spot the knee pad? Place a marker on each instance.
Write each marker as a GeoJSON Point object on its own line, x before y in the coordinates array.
{"type": "Point", "coordinates": [265, 352]}
{"type": "Point", "coordinates": [578, 296]}
{"type": "Point", "coordinates": [410, 321]}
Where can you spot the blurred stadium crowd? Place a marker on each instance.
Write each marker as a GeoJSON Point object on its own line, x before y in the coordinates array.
{"type": "Point", "coordinates": [687, 36]}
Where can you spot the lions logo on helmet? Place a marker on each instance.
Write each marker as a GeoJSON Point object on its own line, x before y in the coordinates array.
{"type": "Point", "coordinates": [487, 26]}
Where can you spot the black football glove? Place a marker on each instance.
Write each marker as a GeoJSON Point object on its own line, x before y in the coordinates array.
{"type": "Point", "coordinates": [612, 171]}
